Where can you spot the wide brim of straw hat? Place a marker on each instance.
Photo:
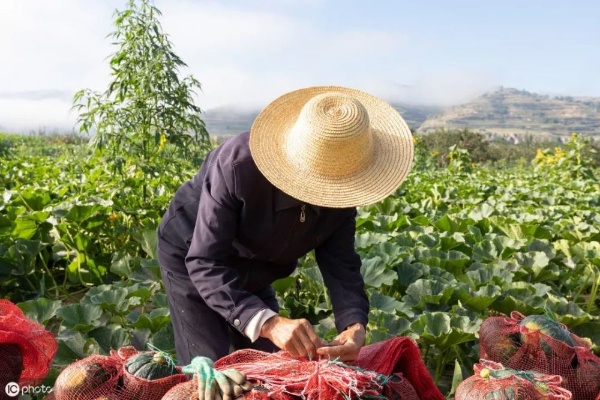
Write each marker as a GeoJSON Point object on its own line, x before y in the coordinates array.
{"type": "Point", "coordinates": [388, 165]}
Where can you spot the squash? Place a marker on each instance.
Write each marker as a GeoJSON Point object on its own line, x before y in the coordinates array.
{"type": "Point", "coordinates": [492, 381]}
{"type": "Point", "coordinates": [151, 365]}
{"type": "Point", "coordinates": [546, 326]}
{"type": "Point", "coordinates": [92, 376]}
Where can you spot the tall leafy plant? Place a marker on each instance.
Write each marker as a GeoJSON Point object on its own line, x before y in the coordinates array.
{"type": "Point", "coordinates": [147, 113]}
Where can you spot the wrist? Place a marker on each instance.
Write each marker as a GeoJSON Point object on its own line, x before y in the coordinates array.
{"type": "Point", "coordinates": [355, 326]}
{"type": "Point", "coordinates": [268, 325]}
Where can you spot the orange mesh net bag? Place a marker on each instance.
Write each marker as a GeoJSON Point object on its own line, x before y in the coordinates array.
{"type": "Point", "coordinates": [279, 377]}
{"type": "Point", "coordinates": [26, 348]}
{"type": "Point", "coordinates": [493, 381]}
{"type": "Point", "coordinates": [126, 375]}
{"type": "Point", "coordinates": [537, 343]}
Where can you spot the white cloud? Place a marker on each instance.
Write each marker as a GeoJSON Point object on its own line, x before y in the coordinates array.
{"type": "Point", "coordinates": [242, 53]}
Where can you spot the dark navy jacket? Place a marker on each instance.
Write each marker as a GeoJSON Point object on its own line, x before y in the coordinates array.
{"type": "Point", "coordinates": [234, 233]}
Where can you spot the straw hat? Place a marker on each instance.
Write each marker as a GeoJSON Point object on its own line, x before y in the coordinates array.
{"type": "Point", "coordinates": [332, 146]}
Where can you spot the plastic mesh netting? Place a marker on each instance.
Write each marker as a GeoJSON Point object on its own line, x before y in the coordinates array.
{"type": "Point", "coordinates": [493, 381]}
{"type": "Point", "coordinates": [507, 341]}
{"type": "Point", "coordinates": [26, 348]}
{"type": "Point", "coordinates": [106, 377]}
{"type": "Point", "coordinates": [392, 369]}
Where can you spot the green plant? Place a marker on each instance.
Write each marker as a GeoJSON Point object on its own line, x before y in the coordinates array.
{"type": "Point", "coordinates": [146, 106]}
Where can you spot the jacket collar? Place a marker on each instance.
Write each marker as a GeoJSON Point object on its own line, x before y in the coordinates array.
{"type": "Point", "coordinates": [283, 201]}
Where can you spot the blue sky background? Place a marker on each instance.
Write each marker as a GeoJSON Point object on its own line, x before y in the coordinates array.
{"type": "Point", "coordinates": [248, 52]}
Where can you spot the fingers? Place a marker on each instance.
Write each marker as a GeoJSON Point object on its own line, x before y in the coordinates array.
{"type": "Point", "coordinates": [304, 340]}
{"type": "Point", "coordinates": [224, 384]}
{"type": "Point", "coordinates": [234, 375]}
{"type": "Point", "coordinates": [346, 352]}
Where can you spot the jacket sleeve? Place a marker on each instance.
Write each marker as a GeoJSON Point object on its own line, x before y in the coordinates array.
{"type": "Point", "coordinates": [340, 266]}
{"type": "Point", "coordinates": [209, 259]}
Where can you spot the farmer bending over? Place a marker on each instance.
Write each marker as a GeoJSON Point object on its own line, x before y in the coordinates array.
{"type": "Point", "coordinates": [263, 199]}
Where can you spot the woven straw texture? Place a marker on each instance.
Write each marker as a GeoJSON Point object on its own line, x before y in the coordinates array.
{"type": "Point", "coordinates": [332, 146]}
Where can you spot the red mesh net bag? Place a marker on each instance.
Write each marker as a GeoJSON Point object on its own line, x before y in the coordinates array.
{"type": "Point", "coordinates": [493, 381]}
{"type": "Point", "coordinates": [382, 369]}
{"type": "Point", "coordinates": [400, 356]}
{"type": "Point", "coordinates": [536, 343]}
{"type": "Point", "coordinates": [93, 377]}
{"type": "Point", "coordinates": [109, 377]}
{"type": "Point", "coordinates": [26, 348]}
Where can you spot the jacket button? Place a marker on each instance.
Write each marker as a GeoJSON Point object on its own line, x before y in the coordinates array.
{"type": "Point", "coordinates": [236, 322]}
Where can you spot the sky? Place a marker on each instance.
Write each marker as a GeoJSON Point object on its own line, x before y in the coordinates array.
{"type": "Point", "coordinates": [246, 53]}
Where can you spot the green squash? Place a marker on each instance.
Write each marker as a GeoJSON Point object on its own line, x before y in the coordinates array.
{"type": "Point", "coordinates": [151, 365]}
{"type": "Point", "coordinates": [548, 327]}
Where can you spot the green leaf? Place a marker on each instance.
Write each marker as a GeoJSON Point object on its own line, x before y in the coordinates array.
{"type": "Point", "coordinates": [115, 300]}
{"type": "Point", "coordinates": [153, 321]}
{"type": "Point", "coordinates": [164, 339]}
{"type": "Point", "coordinates": [424, 291]}
{"type": "Point", "coordinates": [78, 213]}
{"type": "Point", "coordinates": [457, 377]}
{"type": "Point", "coordinates": [481, 299]}
{"type": "Point", "coordinates": [80, 317]}
{"type": "Point", "coordinates": [110, 337]}
{"type": "Point", "coordinates": [443, 331]}
{"type": "Point", "coordinates": [281, 286]}
{"type": "Point", "coordinates": [72, 346]}
{"type": "Point", "coordinates": [40, 310]}
{"type": "Point", "coordinates": [122, 263]}
{"type": "Point", "coordinates": [379, 301]}
{"type": "Point", "coordinates": [376, 274]}
{"type": "Point", "coordinates": [35, 199]}
{"type": "Point", "coordinates": [147, 238]}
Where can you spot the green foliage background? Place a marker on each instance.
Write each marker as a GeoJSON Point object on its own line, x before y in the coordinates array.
{"type": "Point", "coordinates": [454, 245]}
{"type": "Point", "coordinates": [471, 233]}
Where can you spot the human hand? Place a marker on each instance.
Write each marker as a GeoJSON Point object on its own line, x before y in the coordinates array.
{"type": "Point", "coordinates": [216, 385]}
{"type": "Point", "coordinates": [346, 345]}
{"type": "Point", "coordinates": [295, 336]}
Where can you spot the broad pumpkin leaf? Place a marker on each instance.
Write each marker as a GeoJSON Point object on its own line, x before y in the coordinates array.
{"type": "Point", "coordinates": [78, 213]}
{"type": "Point", "coordinates": [481, 299]}
{"type": "Point", "coordinates": [164, 339]}
{"type": "Point", "coordinates": [152, 321]}
{"type": "Point", "coordinates": [109, 337]}
{"type": "Point", "coordinates": [392, 324]}
{"type": "Point", "coordinates": [115, 300]}
{"type": "Point", "coordinates": [80, 317]}
{"type": "Point", "coordinates": [41, 309]}
{"type": "Point", "coordinates": [444, 331]}
{"type": "Point", "coordinates": [425, 291]}
{"type": "Point", "coordinates": [379, 301]}
{"type": "Point", "coordinates": [376, 274]}
{"type": "Point", "coordinates": [147, 239]}
{"type": "Point", "coordinates": [73, 346]}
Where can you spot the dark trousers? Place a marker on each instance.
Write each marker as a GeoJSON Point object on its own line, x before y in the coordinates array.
{"type": "Point", "coordinates": [200, 331]}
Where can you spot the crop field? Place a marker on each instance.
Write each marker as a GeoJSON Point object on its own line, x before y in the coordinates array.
{"type": "Point", "coordinates": [455, 245]}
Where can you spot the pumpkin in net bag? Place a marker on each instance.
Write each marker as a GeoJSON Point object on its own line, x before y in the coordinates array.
{"type": "Point", "coordinates": [492, 381]}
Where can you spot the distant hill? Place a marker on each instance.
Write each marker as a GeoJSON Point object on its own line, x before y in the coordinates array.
{"type": "Point", "coordinates": [512, 112]}
{"type": "Point", "coordinates": [505, 112]}
{"type": "Point", "coordinates": [228, 120]}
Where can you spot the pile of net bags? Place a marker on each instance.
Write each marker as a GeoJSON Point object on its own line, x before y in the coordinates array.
{"type": "Point", "coordinates": [26, 348]}
{"type": "Point", "coordinates": [126, 374]}
{"type": "Point", "coordinates": [392, 369]}
{"type": "Point", "coordinates": [532, 357]}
